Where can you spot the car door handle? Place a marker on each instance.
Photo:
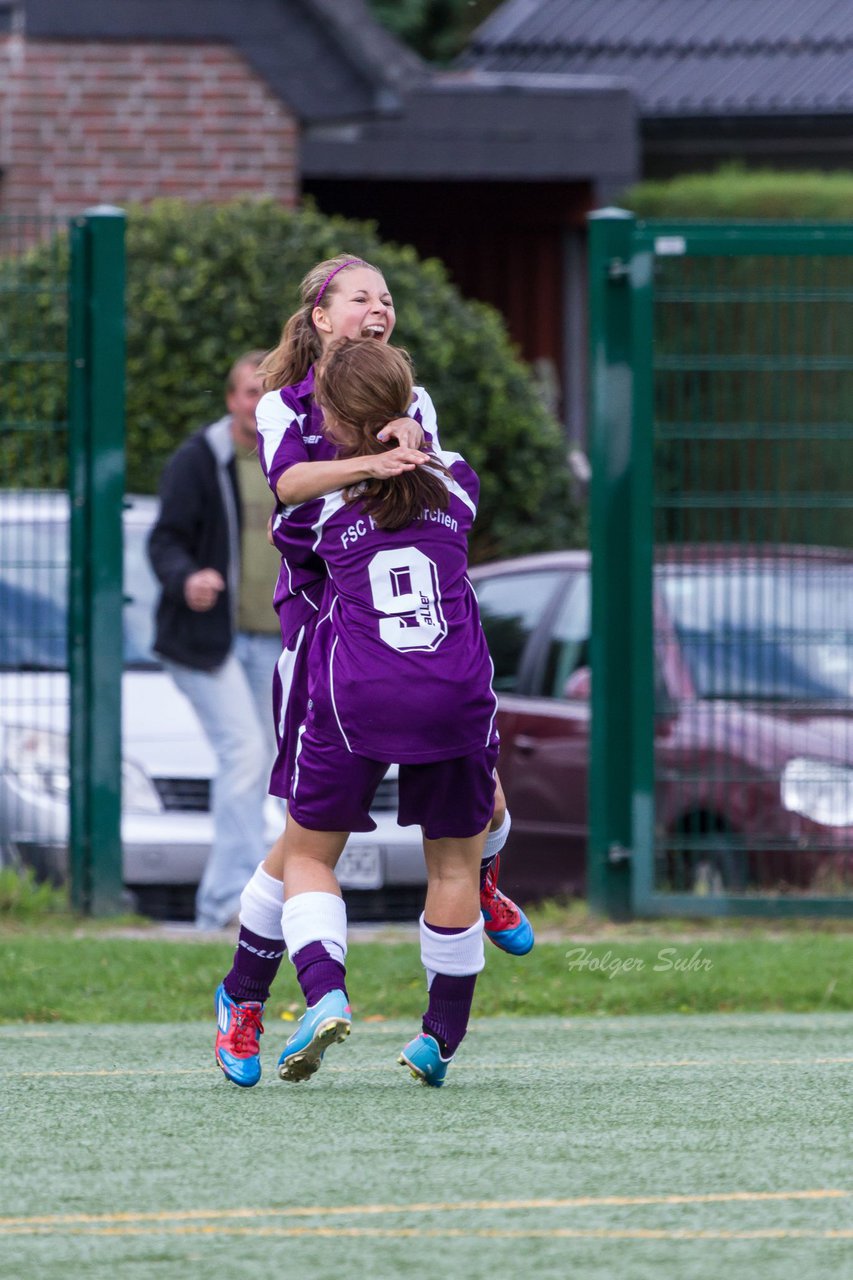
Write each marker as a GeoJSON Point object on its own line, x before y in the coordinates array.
{"type": "Point", "coordinates": [525, 744]}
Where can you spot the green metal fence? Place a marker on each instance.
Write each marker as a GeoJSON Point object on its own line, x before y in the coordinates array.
{"type": "Point", "coordinates": [61, 494]}
{"type": "Point", "coordinates": [722, 766]}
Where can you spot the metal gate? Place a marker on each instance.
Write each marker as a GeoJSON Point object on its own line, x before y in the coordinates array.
{"type": "Point", "coordinates": [722, 537]}
{"type": "Point", "coordinates": [61, 493]}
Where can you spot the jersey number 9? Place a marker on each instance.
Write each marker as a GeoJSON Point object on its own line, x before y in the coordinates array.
{"type": "Point", "coordinates": [404, 585]}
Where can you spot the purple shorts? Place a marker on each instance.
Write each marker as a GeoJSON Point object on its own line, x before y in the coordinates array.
{"type": "Point", "coordinates": [333, 790]}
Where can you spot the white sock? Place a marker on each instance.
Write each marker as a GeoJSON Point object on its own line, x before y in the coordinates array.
{"type": "Point", "coordinates": [495, 841]}
{"type": "Point", "coordinates": [315, 917]}
{"type": "Point", "coordinates": [456, 954]}
{"type": "Point", "coordinates": [260, 905]}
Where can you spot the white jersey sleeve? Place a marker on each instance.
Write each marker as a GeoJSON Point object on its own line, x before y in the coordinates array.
{"type": "Point", "coordinates": [274, 419]}
{"type": "Point", "coordinates": [422, 410]}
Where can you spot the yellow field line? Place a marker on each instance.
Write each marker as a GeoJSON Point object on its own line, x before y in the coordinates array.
{"type": "Point", "coordinates": [568, 1064]}
{"type": "Point", "coordinates": [719, 1062]}
{"type": "Point", "coordinates": [85, 1072]}
{"type": "Point", "coordinates": [497, 1233]}
{"type": "Point", "coordinates": [52, 1221]}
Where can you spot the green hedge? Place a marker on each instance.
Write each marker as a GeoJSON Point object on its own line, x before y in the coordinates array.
{"type": "Point", "coordinates": [206, 282]}
{"type": "Point", "coordinates": [735, 192]}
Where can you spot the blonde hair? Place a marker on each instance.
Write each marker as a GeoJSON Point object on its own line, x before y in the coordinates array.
{"type": "Point", "coordinates": [300, 345]}
{"type": "Point", "coordinates": [360, 385]}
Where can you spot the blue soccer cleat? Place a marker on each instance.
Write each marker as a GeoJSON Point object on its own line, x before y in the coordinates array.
{"type": "Point", "coordinates": [423, 1058]}
{"type": "Point", "coordinates": [238, 1028]}
{"type": "Point", "coordinates": [327, 1022]}
{"type": "Point", "coordinates": [506, 925]}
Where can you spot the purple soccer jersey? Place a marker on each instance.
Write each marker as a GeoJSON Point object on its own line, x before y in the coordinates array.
{"type": "Point", "coordinates": [399, 668]}
{"type": "Point", "coordinates": [290, 430]}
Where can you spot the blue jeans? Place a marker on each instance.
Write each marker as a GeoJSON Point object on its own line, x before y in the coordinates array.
{"type": "Point", "coordinates": [240, 738]}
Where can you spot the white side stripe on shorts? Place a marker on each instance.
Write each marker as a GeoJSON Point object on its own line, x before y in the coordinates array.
{"type": "Point", "coordinates": [295, 782]}
{"type": "Point", "coordinates": [332, 692]}
{"type": "Point", "coordinates": [286, 664]}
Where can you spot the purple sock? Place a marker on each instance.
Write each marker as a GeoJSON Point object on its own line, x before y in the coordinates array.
{"type": "Point", "coordinates": [450, 999]}
{"type": "Point", "coordinates": [449, 1009]}
{"type": "Point", "coordinates": [256, 962]}
{"type": "Point", "coordinates": [318, 973]}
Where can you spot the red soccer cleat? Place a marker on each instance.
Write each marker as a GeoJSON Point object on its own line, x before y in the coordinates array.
{"type": "Point", "coordinates": [506, 924]}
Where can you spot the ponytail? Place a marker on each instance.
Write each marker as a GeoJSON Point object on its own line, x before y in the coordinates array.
{"type": "Point", "coordinates": [297, 350]}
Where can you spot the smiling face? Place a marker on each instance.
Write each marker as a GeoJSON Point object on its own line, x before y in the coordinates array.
{"type": "Point", "coordinates": [357, 304]}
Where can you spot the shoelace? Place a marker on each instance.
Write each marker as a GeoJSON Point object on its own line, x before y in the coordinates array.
{"type": "Point", "coordinates": [502, 911]}
{"type": "Point", "coordinates": [246, 1028]}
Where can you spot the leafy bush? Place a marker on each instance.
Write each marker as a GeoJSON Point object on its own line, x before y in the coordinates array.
{"type": "Point", "coordinates": [735, 192]}
{"type": "Point", "coordinates": [437, 29]}
{"type": "Point", "coordinates": [23, 898]}
{"type": "Point", "coordinates": [207, 282]}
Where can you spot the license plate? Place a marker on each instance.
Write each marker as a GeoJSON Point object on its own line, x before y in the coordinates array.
{"type": "Point", "coordinates": [360, 867]}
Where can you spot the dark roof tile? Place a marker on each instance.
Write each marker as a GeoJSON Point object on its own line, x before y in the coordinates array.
{"type": "Point", "coordinates": [684, 56]}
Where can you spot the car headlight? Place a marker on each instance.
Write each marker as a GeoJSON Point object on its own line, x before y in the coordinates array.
{"type": "Point", "coordinates": [818, 790]}
{"type": "Point", "coordinates": [38, 758]}
{"type": "Point", "coordinates": [138, 793]}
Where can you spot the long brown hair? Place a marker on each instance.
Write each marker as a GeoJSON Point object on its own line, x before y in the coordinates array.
{"type": "Point", "coordinates": [360, 386]}
{"type": "Point", "coordinates": [299, 345]}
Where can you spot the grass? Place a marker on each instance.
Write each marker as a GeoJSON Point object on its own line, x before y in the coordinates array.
{"type": "Point", "coordinates": [22, 897]}
{"type": "Point", "coordinates": [605, 1148]}
{"type": "Point", "coordinates": [648, 1148]}
{"type": "Point", "coordinates": [63, 970]}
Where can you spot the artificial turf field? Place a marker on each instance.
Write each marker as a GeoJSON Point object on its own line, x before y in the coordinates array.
{"type": "Point", "coordinates": [668, 1148]}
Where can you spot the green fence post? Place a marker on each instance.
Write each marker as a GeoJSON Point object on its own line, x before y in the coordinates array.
{"type": "Point", "coordinates": [96, 412]}
{"type": "Point", "coordinates": [611, 386]}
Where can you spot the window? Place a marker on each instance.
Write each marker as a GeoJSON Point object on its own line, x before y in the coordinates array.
{"type": "Point", "coordinates": [34, 594]}
{"type": "Point", "coordinates": [568, 647]}
{"type": "Point", "coordinates": [511, 605]}
{"type": "Point", "coordinates": [777, 632]}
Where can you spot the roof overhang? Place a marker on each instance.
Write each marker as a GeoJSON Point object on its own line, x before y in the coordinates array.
{"type": "Point", "coordinates": [486, 126]}
{"type": "Point", "coordinates": [370, 108]}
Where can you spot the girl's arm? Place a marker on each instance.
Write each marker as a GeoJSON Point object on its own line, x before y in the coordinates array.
{"type": "Point", "coordinates": [306, 480]}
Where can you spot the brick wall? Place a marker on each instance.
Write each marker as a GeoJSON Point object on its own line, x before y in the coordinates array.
{"type": "Point", "coordinates": [85, 123]}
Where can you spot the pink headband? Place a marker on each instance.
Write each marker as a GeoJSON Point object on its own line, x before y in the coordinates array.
{"type": "Point", "coordinates": [350, 262]}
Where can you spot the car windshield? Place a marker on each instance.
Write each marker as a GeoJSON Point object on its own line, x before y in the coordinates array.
{"type": "Point", "coordinates": [34, 596]}
{"type": "Point", "coordinates": [782, 632]}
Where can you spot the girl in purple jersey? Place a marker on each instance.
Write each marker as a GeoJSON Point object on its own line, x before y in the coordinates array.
{"type": "Point", "coordinates": [341, 297]}
{"type": "Point", "coordinates": [398, 670]}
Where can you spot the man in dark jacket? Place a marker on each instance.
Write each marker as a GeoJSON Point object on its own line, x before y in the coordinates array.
{"type": "Point", "coordinates": [216, 629]}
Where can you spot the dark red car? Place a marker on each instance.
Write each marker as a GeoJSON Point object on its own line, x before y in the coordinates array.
{"type": "Point", "coordinates": [753, 725]}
